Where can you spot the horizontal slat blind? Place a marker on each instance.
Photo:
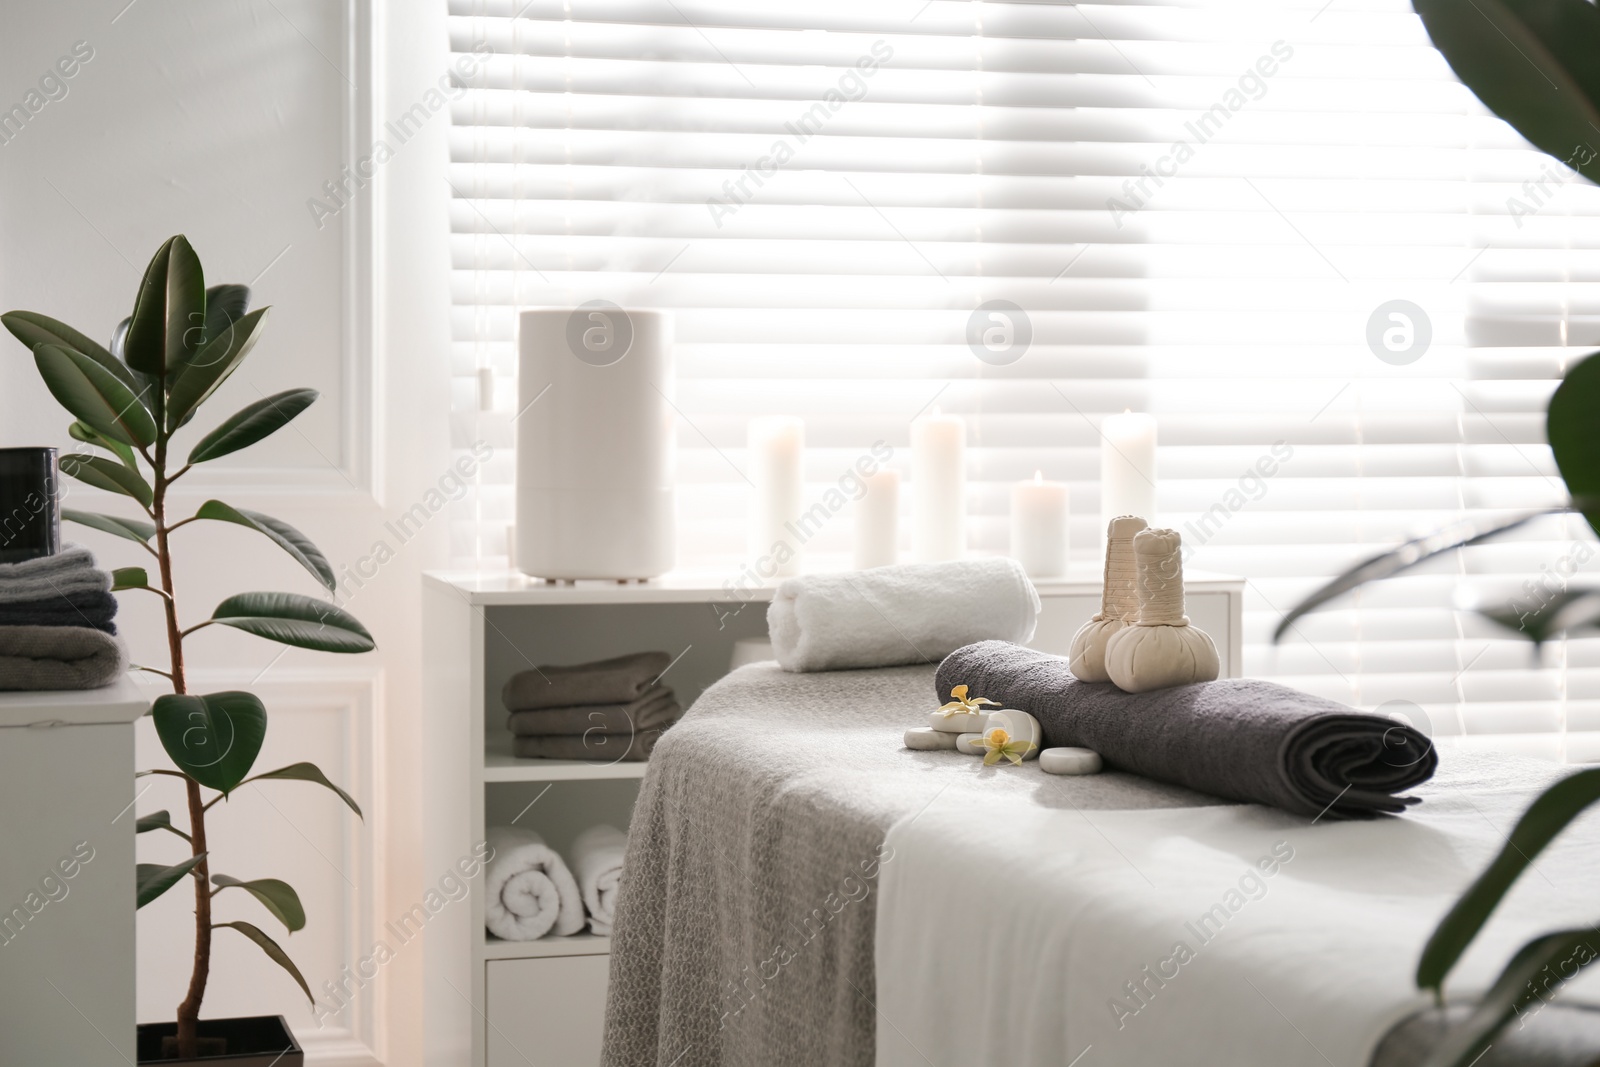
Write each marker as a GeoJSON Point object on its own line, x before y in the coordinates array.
{"type": "Point", "coordinates": [1199, 206]}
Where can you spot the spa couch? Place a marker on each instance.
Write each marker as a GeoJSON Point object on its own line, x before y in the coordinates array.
{"type": "Point", "coordinates": [801, 889]}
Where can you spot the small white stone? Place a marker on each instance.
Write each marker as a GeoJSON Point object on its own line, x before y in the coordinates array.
{"type": "Point", "coordinates": [923, 739]}
{"type": "Point", "coordinates": [970, 744]}
{"type": "Point", "coordinates": [959, 722]}
{"type": "Point", "coordinates": [1069, 761]}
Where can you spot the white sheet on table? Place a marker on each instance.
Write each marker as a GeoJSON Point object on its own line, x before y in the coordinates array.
{"type": "Point", "coordinates": [1062, 908]}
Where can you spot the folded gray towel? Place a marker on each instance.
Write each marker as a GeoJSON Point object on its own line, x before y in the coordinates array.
{"type": "Point", "coordinates": [73, 609]}
{"type": "Point", "coordinates": [657, 709]}
{"type": "Point", "coordinates": [595, 747]}
{"type": "Point", "coordinates": [1238, 738]}
{"type": "Point", "coordinates": [59, 657]}
{"type": "Point", "coordinates": [69, 571]}
{"type": "Point", "coordinates": [609, 681]}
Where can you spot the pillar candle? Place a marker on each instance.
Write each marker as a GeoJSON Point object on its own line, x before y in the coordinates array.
{"type": "Point", "coordinates": [878, 521]}
{"type": "Point", "coordinates": [1039, 527]}
{"type": "Point", "coordinates": [939, 487]}
{"type": "Point", "coordinates": [777, 447]}
{"type": "Point", "coordinates": [1127, 468]}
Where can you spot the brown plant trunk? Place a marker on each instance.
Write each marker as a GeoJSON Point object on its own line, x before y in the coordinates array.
{"type": "Point", "coordinates": [189, 1010]}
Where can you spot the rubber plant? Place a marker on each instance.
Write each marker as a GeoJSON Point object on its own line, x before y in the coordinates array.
{"type": "Point", "coordinates": [1536, 64]}
{"type": "Point", "coordinates": [132, 402]}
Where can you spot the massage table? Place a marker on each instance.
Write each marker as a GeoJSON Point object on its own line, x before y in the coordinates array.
{"type": "Point", "coordinates": [784, 842]}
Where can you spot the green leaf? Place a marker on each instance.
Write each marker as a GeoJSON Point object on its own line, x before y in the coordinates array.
{"type": "Point", "coordinates": [287, 537]}
{"type": "Point", "coordinates": [1570, 427]}
{"type": "Point", "coordinates": [250, 424]}
{"type": "Point", "coordinates": [1545, 817]}
{"type": "Point", "coordinates": [1418, 550]}
{"type": "Point", "coordinates": [270, 947]}
{"type": "Point", "coordinates": [210, 367]}
{"type": "Point", "coordinates": [309, 772]}
{"type": "Point", "coordinates": [132, 529]}
{"type": "Point", "coordinates": [129, 578]}
{"type": "Point", "coordinates": [153, 879]}
{"type": "Point", "coordinates": [33, 330]}
{"type": "Point", "coordinates": [119, 340]}
{"type": "Point", "coordinates": [279, 898]}
{"type": "Point", "coordinates": [156, 820]}
{"type": "Point", "coordinates": [1549, 961]}
{"type": "Point", "coordinates": [159, 820]}
{"type": "Point", "coordinates": [1532, 63]}
{"type": "Point", "coordinates": [225, 305]}
{"type": "Point", "coordinates": [105, 474]}
{"type": "Point", "coordinates": [94, 395]}
{"type": "Point", "coordinates": [212, 738]}
{"type": "Point", "coordinates": [80, 431]}
{"type": "Point", "coordinates": [169, 316]}
{"type": "Point", "coordinates": [292, 619]}
{"type": "Point", "coordinates": [1566, 610]}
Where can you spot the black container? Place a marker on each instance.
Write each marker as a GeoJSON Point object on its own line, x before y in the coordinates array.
{"type": "Point", "coordinates": [254, 1041]}
{"type": "Point", "coordinates": [30, 505]}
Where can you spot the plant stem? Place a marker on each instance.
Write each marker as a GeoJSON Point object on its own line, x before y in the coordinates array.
{"type": "Point", "coordinates": [189, 1010]}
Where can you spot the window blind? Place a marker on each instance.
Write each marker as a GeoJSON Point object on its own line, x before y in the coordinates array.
{"type": "Point", "coordinates": [1282, 227]}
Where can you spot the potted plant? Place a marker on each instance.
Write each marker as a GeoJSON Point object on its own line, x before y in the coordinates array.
{"type": "Point", "coordinates": [132, 402]}
{"type": "Point", "coordinates": [1536, 64]}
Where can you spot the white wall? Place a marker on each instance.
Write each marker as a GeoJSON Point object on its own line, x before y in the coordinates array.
{"type": "Point", "coordinates": [220, 119]}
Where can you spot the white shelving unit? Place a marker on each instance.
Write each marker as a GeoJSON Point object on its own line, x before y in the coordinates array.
{"type": "Point", "coordinates": [493, 1003]}
{"type": "Point", "coordinates": [67, 788]}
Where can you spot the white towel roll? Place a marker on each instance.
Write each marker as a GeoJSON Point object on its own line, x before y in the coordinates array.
{"type": "Point", "coordinates": [528, 890]}
{"type": "Point", "coordinates": [597, 859]}
{"type": "Point", "coordinates": [910, 613]}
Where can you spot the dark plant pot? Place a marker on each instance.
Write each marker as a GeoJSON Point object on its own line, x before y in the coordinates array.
{"type": "Point", "coordinates": [259, 1041]}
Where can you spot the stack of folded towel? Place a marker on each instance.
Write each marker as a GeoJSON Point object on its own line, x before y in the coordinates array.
{"type": "Point", "coordinates": [610, 710]}
{"type": "Point", "coordinates": [56, 629]}
{"type": "Point", "coordinates": [530, 891]}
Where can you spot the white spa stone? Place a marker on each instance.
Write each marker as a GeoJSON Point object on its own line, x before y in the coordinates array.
{"type": "Point", "coordinates": [924, 739]}
{"type": "Point", "coordinates": [970, 744]}
{"type": "Point", "coordinates": [1019, 725]}
{"type": "Point", "coordinates": [1162, 649]}
{"type": "Point", "coordinates": [1119, 602]}
{"type": "Point", "coordinates": [960, 722]}
{"type": "Point", "coordinates": [1069, 761]}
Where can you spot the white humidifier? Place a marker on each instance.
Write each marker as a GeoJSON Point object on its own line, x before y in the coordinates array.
{"type": "Point", "coordinates": [595, 443]}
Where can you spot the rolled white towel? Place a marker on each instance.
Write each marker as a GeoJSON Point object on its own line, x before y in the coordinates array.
{"type": "Point", "coordinates": [909, 613]}
{"type": "Point", "coordinates": [597, 859]}
{"type": "Point", "coordinates": [528, 890]}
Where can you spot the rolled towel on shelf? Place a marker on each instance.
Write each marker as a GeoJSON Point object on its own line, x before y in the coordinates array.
{"type": "Point", "coordinates": [1239, 738]}
{"type": "Point", "coordinates": [59, 657]}
{"type": "Point", "coordinates": [656, 710]}
{"type": "Point", "coordinates": [94, 609]}
{"type": "Point", "coordinates": [69, 571]}
{"type": "Point", "coordinates": [528, 890]}
{"type": "Point", "coordinates": [888, 616]}
{"type": "Point", "coordinates": [597, 861]}
{"type": "Point", "coordinates": [621, 680]}
{"type": "Point", "coordinates": [595, 747]}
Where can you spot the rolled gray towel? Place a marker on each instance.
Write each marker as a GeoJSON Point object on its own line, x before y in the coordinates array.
{"type": "Point", "coordinates": [657, 709]}
{"type": "Point", "coordinates": [73, 609]}
{"type": "Point", "coordinates": [59, 657]}
{"type": "Point", "coordinates": [597, 747]}
{"type": "Point", "coordinates": [608, 681]}
{"type": "Point", "coordinates": [890, 616]}
{"type": "Point", "coordinates": [1238, 738]}
{"type": "Point", "coordinates": [69, 571]}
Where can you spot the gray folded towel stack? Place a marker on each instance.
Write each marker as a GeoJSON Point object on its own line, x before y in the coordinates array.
{"type": "Point", "coordinates": [610, 710]}
{"type": "Point", "coordinates": [55, 624]}
{"type": "Point", "coordinates": [1238, 738]}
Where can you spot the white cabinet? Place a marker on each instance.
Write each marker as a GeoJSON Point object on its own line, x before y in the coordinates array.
{"type": "Point", "coordinates": [488, 1002]}
{"type": "Point", "coordinates": [66, 876]}
{"type": "Point", "coordinates": [549, 1010]}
